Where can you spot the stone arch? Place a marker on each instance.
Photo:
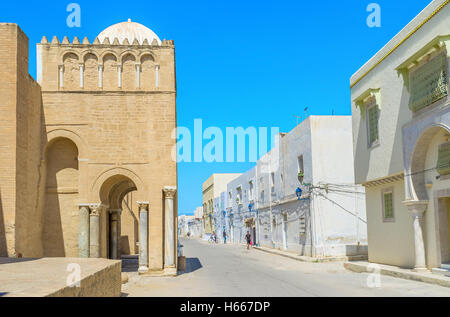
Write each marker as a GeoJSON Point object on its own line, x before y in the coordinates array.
{"type": "Point", "coordinates": [118, 173]}
{"type": "Point", "coordinates": [72, 136]}
{"type": "Point", "coordinates": [66, 53]}
{"type": "Point", "coordinates": [125, 54]}
{"type": "Point", "coordinates": [60, 236]}
{"type": "Point", "coordinates": [87, 52]}
{"type": "Point", "coordinates": [90, 71]}
{"type": "Point", "coordinates": [120, 189]}
{"type": "Point", "coordinates": [416, 169]}
{"type": "Point", "coordinates": [106, 53]}
{"type": "Point", "coordinates": [71, 62]}
{"type": "Point", "coordinates": [148, 71]}
{"type": "Point", "coordinates": [110, 77]}
{"type": "Point", "coordinates": [147, 53]}
{"type": "Point", "coordinates": [129, 73]}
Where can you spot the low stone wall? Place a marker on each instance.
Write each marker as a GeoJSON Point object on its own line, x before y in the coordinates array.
{"type": "Point", "coordinates": [48, 277]}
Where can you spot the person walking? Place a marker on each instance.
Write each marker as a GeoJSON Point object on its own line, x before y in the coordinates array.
{"type": "Point", "coordinates": [248, 237]}
{"type": "Point", "coordinates": [224, 237]}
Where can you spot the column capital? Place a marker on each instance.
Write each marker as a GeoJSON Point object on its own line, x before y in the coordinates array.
{"type": "Point", "coordinates": [169, 192]}
{"type": "Point", "coordinates": [97, 209]}
{"type": "Point", "coordinates": [416, 207]}
{"type": "Point", "coordinates": [143, 205]}
{"type": "Point", "coordinates": [115, 213]}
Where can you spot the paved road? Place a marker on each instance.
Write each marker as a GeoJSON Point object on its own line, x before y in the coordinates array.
{"type": "Point", "coordinates": [232, 271]}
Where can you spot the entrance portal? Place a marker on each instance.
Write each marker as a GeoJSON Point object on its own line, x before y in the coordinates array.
{"type": "Point", "coordinates": [121, 225]}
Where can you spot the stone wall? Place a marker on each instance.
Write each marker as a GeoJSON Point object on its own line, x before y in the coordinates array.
{"type": "Point", "coordinates": [96, 130]}
{"type": "Point", "coordinates": [20, 159]}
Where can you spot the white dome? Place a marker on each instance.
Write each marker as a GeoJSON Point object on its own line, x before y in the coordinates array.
{"type": "Point", "coordinates": [130, 31]}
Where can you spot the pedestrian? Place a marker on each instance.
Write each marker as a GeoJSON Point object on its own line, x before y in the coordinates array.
{"type": "Point", "coordinates": [224, 237]}
{"type": "Point", "coordinates": [248, 237]}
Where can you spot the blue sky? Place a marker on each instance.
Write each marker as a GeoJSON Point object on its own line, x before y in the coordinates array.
{"type": "Point", "coordinates": [239, 63]}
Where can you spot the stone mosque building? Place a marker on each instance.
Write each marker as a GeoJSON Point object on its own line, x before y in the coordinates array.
{"type": "Point", "coordinates": [85, 164]}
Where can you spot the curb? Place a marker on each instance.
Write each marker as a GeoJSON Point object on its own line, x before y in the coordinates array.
{"type": "Point", "coordinates": [428, 278]}
{"type": "Point", "coordinates": [310, 259]}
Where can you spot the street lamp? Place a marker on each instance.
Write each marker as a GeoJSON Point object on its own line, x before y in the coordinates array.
{"type": "Point", "coordinates": [298, 192]}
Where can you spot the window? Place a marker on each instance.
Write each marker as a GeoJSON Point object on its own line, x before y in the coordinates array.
{"type": "Point", "coordinates": [250, 190]}
{"type": "Point", "coordinates": [239, 195]}
{"type": "Point", "coordinates": [443, 164]}
{"type": "Point", "coordinates": [372, 123]}
{"type": "Point", "coordinates": [388, 205]}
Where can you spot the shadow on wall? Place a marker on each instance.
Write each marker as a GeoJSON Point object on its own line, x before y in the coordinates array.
{"type": "Point", "coordinates": [61, 194]}
{"type": "Point", "coordinates": [397, 149]}
{"type": "Point", "coordinates": [126, 247]}
{"type": "Point", "coordinates": [130, 263]}
{"type": "Point", "coordinates": [3, 246]}
{"type": "Point", "coordinates": [192, 265]}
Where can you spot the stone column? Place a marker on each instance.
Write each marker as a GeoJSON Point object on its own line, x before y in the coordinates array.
{"type": "Point", "coordinates": [94, 241]}
{"type": "Point", "coordinates": [61, 76]}
{"type": "Point", "coordinates": [157, 76]}
{"type": "Point", "coordinates": [100, 76]}
{"type": "Point", "coordinates": [81, 75]}
{"type": "Point", "coordinates": [417, 209]}
{"type": "Point", "coordinates": [169, 218]}
{"type": "Point", "coordinates": [114, 234]}
{"type": "Point", "coordinates": [119, 76]}
{"type": "Point", "coordinates": [138, 75]}
{"type": "Point", "coordinates": [143, 236]}
{"type": "Point", "coordinates": [83, 231]}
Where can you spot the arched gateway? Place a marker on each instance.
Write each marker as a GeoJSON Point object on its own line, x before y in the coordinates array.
{"type": "Point", "coordinates": [109, 109]}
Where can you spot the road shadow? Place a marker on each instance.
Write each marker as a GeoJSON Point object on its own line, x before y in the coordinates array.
{"type": "Point", "coordinates": [15, 260]}
{"type": "Point", "coordinates": [130, 263]}
{"type": "Point", "coordinates": [192, 265]}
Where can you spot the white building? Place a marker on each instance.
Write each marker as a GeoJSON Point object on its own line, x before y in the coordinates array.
{"type": "Point", "coordinates": [195, 225]}
{"type": "Point", "coordinates": [401, 125]}
{"type": "Point", "coordinates": [329, 219]}
{"type": "Point", "coordinates": [221, 218]}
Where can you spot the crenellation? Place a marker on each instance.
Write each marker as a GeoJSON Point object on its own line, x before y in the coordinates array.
{"type": "Point", "coordinates": [55, 40]}
{"type": "Point", "coordinates": [76, 41]}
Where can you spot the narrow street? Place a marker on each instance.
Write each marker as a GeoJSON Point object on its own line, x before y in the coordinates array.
{"type": "Point", "coordinates": [233, 271]}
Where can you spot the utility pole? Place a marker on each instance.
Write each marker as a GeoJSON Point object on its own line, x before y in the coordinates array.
{"type": "Point", "coordinates": [306, 112]}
